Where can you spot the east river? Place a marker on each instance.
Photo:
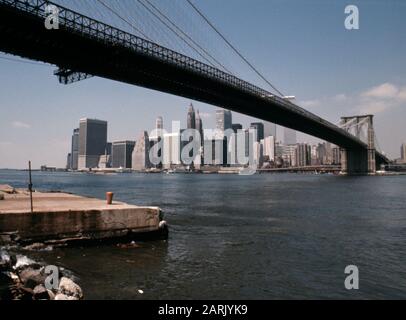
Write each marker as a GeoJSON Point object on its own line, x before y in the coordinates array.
{"type": "Point", "coordinates": [266, 236]}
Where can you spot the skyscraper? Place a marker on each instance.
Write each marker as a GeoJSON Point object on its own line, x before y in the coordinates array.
{"type": "Point", "coordinates": [289, 136]}
{"type": "Point", "coordinates": [92, 142]}
{"type": "Point", "coordinates": [403, 152]}
{"type": "Point", "coordinates": [223, 120]}
{"type": "Point", "coordinates": [259, 127]}
{"type": "Point", "coordinates": [191, 118]}
{"type": "Point", "coordinates": [269, 147]}
{"type": "Point", "coordinates": [122, 154]}
{"type": "Point", "coordinates": [140, 155]}
{"type": "Point", "coordinates": [172, 150]}
{"type": "Point", "coordinates": [236, 127]}
{"type": "Point", "coordinates": [159, 124]}
{"type": "Point", "coordinates": [74, 150]}
{"type": "Point", "coordinates": [303, 155]}
{"type": "Point", "coordinates": [199, 126]}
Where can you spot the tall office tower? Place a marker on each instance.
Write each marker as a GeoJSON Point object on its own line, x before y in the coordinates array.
{"type": "Point", "coordinates": [122, 154]}
{"type": "Point", "coordinates": [191, 118]}
{"type": "Point", "coordinates": [258, 154]}
{"type": "Point", "coordinates": [336, 155]}
{"type": "Point", "coordinates": [172, 150]}
{"type": "Point", "coordinates": [269, 129]}
{"type": "Point", "coordinates": [159, 124]}
{"type": "Point", "coordinates": [199, 126]}
{"type": "Point", "coordinates": [289, 155]}
{"type": "Point", "coordinates": [269, 147]}
{"type": "Point", "coordinates": [69, 161]}
{"type": "Point", "coordinates": [289, 136]}
{"type": "Point", "coordinates": [259, 127]}
{"type": "Point", "coordinates": [92, 142]}
{"type": "Point", "coordinates": [140, 155]}
{"type": "Point", "coordinates": [223, 120]}
{"type": "Point", "coordinates": [236, 127]}
{"type": "Point", "coordinates": [216, 151]}
{"type": "Point", "coordinates": [303, 155]}
{"type": "Point", "coordinates": [403, 152]}
{"type": "Point", "coordinates": [74, 150]}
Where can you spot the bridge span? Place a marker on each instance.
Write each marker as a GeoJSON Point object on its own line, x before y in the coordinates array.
{"type": "Point", "coordinates": [83, 46]}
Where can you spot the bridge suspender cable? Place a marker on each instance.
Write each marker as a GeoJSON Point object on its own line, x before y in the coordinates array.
{"type": "Point", "coordinates": [125, 20]}
{"type": "Point", "coordinates": [177, 33]}
{"type": "Point", "coordinates": [183, 33]}
{"type": "Point", "coordinates": [232, 47]}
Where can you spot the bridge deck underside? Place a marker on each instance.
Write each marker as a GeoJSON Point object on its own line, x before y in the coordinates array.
{"type": "Point", "coordinates": [25, 35]}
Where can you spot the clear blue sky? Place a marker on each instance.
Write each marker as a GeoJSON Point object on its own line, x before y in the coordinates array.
{"type": "Point", "coordinates": [302, 46]}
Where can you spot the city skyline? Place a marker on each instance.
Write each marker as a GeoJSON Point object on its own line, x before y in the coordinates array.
{"type": "Point", "coordinates": [360, 84]}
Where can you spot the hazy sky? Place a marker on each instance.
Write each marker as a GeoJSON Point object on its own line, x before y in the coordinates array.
{"type": "Point", "coordinates": [302, 46]}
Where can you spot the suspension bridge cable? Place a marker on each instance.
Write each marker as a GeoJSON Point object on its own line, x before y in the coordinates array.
{"type": "Point", "coordinates": [176, 33]}
{"type": "Point", "coordinates": [232, 47]}
{"type": "Point", "coordinates": [125, 20]}
{"type": "Point", "coordinates": [187, 36]}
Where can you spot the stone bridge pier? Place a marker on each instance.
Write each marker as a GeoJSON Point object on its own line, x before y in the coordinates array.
{"type": "Point", "coordinates": [359, 161]}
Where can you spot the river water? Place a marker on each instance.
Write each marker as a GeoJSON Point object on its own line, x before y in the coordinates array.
{"type": "Point", "coordinates": [267, 236]}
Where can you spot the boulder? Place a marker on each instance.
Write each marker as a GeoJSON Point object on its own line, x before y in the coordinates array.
{"type": "Point", "coordinates": [40, 293]}
{"type": "Point", "coordinates": [31, 278]}
{"type": "Point", "coordinates": [61, 296]}
{"type": "Point", "coordinates": [69, 288]}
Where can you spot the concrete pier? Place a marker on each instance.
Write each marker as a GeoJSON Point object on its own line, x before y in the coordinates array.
{"type": "Point", "coordinates": [67, 218]}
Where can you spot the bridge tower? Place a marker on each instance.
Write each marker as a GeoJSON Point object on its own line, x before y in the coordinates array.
{"type": "Point", "coordinates": [359, 161]}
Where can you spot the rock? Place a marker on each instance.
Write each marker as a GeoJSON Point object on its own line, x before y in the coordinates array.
{"type": "Point", "coordinates": [5, 261]}
{"type": "Point", "coordinates": [51, 295]}
{"type": "Point", "coordinates": [61, 296]}
{"type": "Point", "coordinates": [7, 189]}
{"type": "Point", "coordinates": [38, 247]}
{"type": "Point", "coordinates": [41, 293]}
{"type": "Point", "coordinates": [69, 288]}
{"type": "Point", "coordinates": [31, 278]}
{"type": "Point", "coordinates": [1, 196]}
{"type": "Point", "coordinates": [128, 245]}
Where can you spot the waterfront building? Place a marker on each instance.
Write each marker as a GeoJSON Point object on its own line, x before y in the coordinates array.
{"type": "Point", "coordinates": [336, 155]}
{"type": "Point", "coordinates": [324, 153]}
{"type": "Point", "coordinates": [403, 152]}
{"type": "Point", "coordinates": [140, 155]}
{"type": "Point", "coordinates": [269, 147]}
{"type": "Point", "coordinates": [199, 126]}
{"type": "Point", "coordinates": [215, 151]}
{"type": "Point", "coordinates": [191, 118]}
{"type": "Point", "coordinates": [92, 142]}
{"type": "Point", "coordinates": [289, 136]}
{"type": "Point", "coordinates": [69, 161]}
{"type": "Point", "coordinates": [73, 164]}
{"type": "Point", "coordinates": [172, 148]}
{"type": "Point", "coordinates": [258, 154]}
{"type": "Point", "coordinates": [288, 154]}
{"type": "Point", "coordinates": [302, 155]}
{"type": "Point", "coordinates": [236, 127]}
{"type": "Point", "coordinates": [259, 127]}
{"type": "Point", "coordinates": [122, 154]}
{"type": "Point", "coordinates": [223, 120]}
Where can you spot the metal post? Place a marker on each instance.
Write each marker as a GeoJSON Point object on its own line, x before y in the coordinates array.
{"type": "Point", "coordinates": [30, 186]}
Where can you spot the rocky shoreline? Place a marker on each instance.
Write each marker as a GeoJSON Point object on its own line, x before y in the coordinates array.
{"type": "Point", "coordinates": [22, 278]}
